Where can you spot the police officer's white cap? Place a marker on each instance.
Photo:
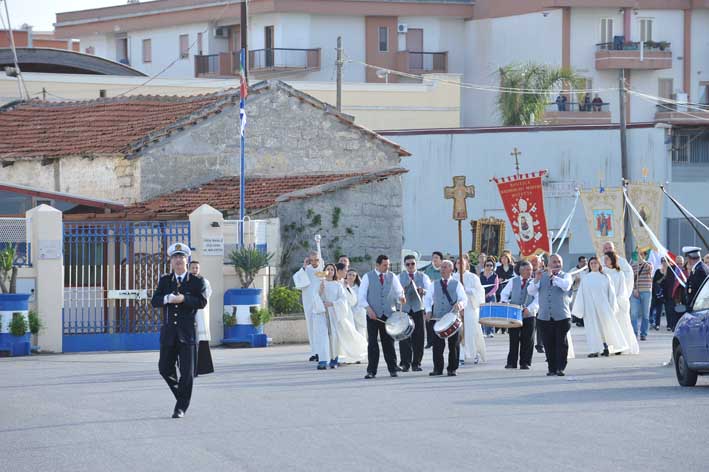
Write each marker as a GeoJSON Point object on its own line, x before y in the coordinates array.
{"type": "Point", "coordinates": [692, 251]}
{"type": "Point", "coordinates": [179, 248]}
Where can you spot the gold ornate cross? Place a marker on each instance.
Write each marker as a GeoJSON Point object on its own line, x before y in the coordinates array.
{"type": "Point", "coordinates": [459, 192]}
{"type": "Point", "coordinates": [516, 153]}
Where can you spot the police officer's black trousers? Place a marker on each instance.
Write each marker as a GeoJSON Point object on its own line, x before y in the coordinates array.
{"type": "Point", "coordinates": [182, 388]}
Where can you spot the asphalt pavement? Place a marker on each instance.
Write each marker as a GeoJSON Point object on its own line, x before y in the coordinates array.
{"type": "Point", "coordinates": [270, 410]}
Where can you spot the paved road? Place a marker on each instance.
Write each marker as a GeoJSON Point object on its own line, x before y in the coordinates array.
{"type": "Point", "coordinates": [266, 409]}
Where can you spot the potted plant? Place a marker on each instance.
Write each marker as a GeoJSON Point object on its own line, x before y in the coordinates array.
{"type": "Point", "coordinates": [663, 45]}
{"type": "Point", "coordinates": [12, 338]}
{"type": "Point", "coordinates": [35, 324]}
{"type": "Point", "coordinates": [247, 262]}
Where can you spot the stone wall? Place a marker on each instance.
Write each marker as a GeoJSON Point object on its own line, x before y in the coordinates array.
{"type": "Point", "coordinates": [368, 223]}
{"type": "Point", "coordinates": [285, 135]}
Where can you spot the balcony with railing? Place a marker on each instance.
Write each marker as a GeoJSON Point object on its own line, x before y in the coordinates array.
{"type": "Point", "coordinates": [419, 63]}
{"type": "Point", "coordinates": [682, 113]}
{"type": "Point", "coordinates": [649, 55]}
{"type": "Point", "coordinates": [573, 113]}
{"type": "Point", "coordinates": [261, 62]}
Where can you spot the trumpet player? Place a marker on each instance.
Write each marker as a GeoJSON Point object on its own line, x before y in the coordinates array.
{"type": "Point", "coordinates": [416, 285]}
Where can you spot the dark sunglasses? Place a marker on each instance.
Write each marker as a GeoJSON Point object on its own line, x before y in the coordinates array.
{"type": "Point", "coordinates": [410, 264]}
{"type": "Point", "coordinates": [489, 265]}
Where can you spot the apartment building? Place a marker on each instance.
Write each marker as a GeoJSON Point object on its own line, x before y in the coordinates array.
{"type": "Point", "coordinates": [26, 37]}
{"type": "Point", "coordinates": [294, 38]}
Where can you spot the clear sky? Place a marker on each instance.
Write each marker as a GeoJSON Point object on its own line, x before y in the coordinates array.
{"type": "Point", "coordinates": [41, 14]}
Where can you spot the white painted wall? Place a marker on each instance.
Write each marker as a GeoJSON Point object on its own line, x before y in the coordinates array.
{"type": "Point", "coordinates": [104, 45]}
{"type": "Point", "coordinates": [323, 34]}
{"type": "Point", "coordinates": [580, 156]}
{"type": "Point", "coordinates": [494, 43]}
{"type": "Point", "coordinates": [165, 49]}
{"type": "Point", "coordinates": [439, 35]}
{"type": "Point", "coordinates": [700, 51]}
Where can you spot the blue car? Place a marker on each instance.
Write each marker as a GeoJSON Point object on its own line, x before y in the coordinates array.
{"type": "Point", "coordinates": [690, 344]}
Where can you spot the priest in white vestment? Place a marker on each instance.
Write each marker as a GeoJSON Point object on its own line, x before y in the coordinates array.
{"type": "Point", "coordinates": [622, 292]}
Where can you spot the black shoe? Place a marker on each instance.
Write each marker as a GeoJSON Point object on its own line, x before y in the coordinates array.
{"type": "Point", "coordinates": [405, 368]}
{"type": "Point", "coordinates": [416, 368]}
{"type": "Point", "coordinates": [539, 348]}
{"type": "Point", "coordinates": [428, 346]}
{"type": "Point", "coordinates": [399, 369]}
{"type": "Point", "coordinates": [657, 328]}
{"type": "Point", "coordinates": [524, 367]}
{"type": "Point", "coordinates": [643, 338]}
{"type": "Point", "coordinates": [394, 374]}
{"type": "Point", "coordinates": [560, 373]}
{"type": "Point", "coordinates": [618, 353]}
{"type": "Point", "coordinates": [669, 329]}
{"type": "Point", "coordinates": [606, 352]}
{"type": "Point", "coordinates": [314, 358]}
{"type": "Point", "coordinates": [451, 373]}
{"type": "Point", "coordinates": [370, 375]}
{"type": "Point", "coordinates": [593, 354]}
{"type": "Point", "coordinates": [508, 366]}
{"type": "Point", "coordinates": [549, 374]}
{"type": "Point", "coordinates": [322, 367]}
{"type": "Point", "coordinates": [435, 374]}
{"type": "Point", "coordinates": [178, 413]}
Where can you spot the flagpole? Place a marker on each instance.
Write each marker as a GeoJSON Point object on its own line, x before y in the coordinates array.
{"type": "Point", "coordinates": [242, 177]}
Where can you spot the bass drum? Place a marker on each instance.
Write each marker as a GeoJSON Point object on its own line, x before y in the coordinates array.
{"type": "Point", "coordinates": [399, 326]}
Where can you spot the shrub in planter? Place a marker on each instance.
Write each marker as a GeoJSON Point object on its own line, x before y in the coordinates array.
{"type": "Point", "coordinates": [18, 325]}
{"type": "Point", "coordinates": [247, 261]}
{"type": "Point", "coordinates": [229, 319]}
{"type": "Point", "coordinates": [283, 300]}
{"type": "Point", "coordinates": [35, 322]}
{"type": "Point", "coordinates": [8, 269]}
{"type": "Point", "coordinates": [260, 316]}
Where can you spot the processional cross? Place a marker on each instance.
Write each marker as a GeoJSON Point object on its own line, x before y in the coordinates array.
{"type": "Point", "coordinates": [459, 193]}
{"type": "Point", "coordinates": [516, 153]}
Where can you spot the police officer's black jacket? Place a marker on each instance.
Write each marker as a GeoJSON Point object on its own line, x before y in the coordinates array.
{"type": "Point", "coordinates": [694, 282]}
{"type": "Point", "coordinates": [179, 322]}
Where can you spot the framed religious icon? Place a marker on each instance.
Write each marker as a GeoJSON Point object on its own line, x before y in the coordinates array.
{"type": "Point", "coordinates": [488, 236]}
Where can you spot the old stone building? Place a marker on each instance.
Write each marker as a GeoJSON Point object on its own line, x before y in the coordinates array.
{"type": "Point", "coordinates": [306, 164]}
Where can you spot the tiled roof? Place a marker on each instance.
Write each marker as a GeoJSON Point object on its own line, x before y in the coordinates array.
{"type": "Point", "coordinates": [261, 193]}
{"type": "Point", "coordinates": [124, 125]}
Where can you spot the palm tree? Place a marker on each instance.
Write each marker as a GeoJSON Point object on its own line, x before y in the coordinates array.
{"type": "Point", "coordinates": [526, 89]}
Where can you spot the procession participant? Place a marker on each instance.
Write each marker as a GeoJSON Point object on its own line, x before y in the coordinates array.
{"type": "Point", "coordinates": [622, 313]}
{"type": "Point", "coordinates": [581, 264]}
{"type": "Point", "coordinates": [411, 349]}
{"type": "Point", "coordinates": [473, 345]}
{"type": "Point", "coordinates": [516, 292]}
{"type": "Point", "coordinates": [204, 364]}
{"type": "Point", "coordinates": [641, 297]}
{"type": "Point", "coordinates": [505, 270]}
{"type": "Point", "coordinates": [553, 288]}
{"type": "Point", "coordinates": [359, 314]}
{"type": "Point", "coordinates": [625, 267]}
{"type": "Point", "coordinates": [343, 259]}
{"type": "Point", "coordinates": [596, 304]}
{"type": "Point", "coordinates": [310, 285]}
{"type": "Point", "coordinates": [433, 272]}
{"type": "Point", "coordinates": [348, 346]}
{"type": "Point", "coordinates": [658, 294]}
{"type": "Point", "coordinates": [377, 294]}
{"type": "Point", "coordinates": [180, 295]}
{"type": "Point", "coordinates": [679, 272]}
{"type": "Point", "coordinates": [490, 281]}
{"type": "Point", "coordinates": [697, 273]}
{"type": "Point", "coordinates": [537, 263]}
{"type": "Point", "coordinates": [447, 295]}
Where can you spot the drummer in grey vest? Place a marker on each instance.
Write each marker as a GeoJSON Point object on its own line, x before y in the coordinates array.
{"type": "Point", "coordinates": [377, 293]}
{"type": "Point", "coordinates": [416, 285]}
{"type": "Point", "coordinates": [553, 290]}
{"type": "Point", "coordinates": [516, 292]}
{"type": "Point", "coordinates": [447, 295]}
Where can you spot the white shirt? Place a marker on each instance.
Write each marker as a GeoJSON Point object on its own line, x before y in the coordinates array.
{"type": "Point", "coordinates": [462, 298]}
{"type": "Point", "coordinates": [180, 278]}
{"type": "Point", "coordinates": [564, 282]}
{"type": "Point", "coordinates": [364, 288]}
{"type": "Point", "coordinates": [507, 293]}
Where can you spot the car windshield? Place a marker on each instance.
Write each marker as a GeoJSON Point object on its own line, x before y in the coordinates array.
{"type": "Point", "coordinates": [702, 300]}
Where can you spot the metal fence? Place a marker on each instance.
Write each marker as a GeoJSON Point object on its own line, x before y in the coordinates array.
{"type": "Point", "coordinates": [680, 233]}
{"type": "Point", "coordinates": [110, 273]}
{"type": "Point", "coordinates": [690, 147]}
{"type": "Point", "coordinates": [16, 232]}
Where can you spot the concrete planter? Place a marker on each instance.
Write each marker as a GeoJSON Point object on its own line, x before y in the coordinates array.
{"type": "Point", "coordinates": [239, 300]}
{"type": "Point", "coordinates": [288, 329]}
{"type": "Point", "coordinates": [14, 303]}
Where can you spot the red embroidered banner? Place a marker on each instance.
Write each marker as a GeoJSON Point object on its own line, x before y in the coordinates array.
{"type": "Point", "coordinates": [523, 198]}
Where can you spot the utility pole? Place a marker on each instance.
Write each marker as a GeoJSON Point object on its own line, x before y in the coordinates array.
{"type": "Point", "coordinates": [244, 36]}
{"type": "Point", "coordinates": [44, 94]}
{"type": "Point", "coordinates": [624, 160]}
{"type": "Point", "coordinates": [339, 74]}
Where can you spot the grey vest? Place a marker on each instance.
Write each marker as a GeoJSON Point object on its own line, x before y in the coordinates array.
{"type": "Point", "coordinates": [405, 281]}
{"type": "Point", "coordinates": [518, 296]}
{"type": "Point", "coordinates": [378, 295]}
{"type": "Point", "coordinates": [553, 302]}
{"type": "Point", "coordinates": [441, 305]}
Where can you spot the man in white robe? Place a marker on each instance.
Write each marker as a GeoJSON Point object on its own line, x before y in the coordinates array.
{"type": "Point", "coordinates": [308, 281]}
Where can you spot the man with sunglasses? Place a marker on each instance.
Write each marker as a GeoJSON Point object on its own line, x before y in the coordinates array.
{"type": "Point", "coordinates": [411, 349]}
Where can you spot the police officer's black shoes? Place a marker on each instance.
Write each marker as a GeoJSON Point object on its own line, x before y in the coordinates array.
{"type": "Point", "coordinates": [178, 413]}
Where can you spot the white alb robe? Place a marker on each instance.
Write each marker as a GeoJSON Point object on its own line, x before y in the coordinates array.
{"type": "Point", "coordinates": [312, 303]}
{"type": "Point", "coordinates": [348, 345]}
{"type": "Point", "coordinates": [622, 314]}
{"type": "Point", "coordinates": [359, 314]}
{"type": "Point", "coordinates": [202, 317]}
{"type": "Point", "coordinates": [596, 304]}
{"type": "Point", "coordinates": [473, 339]}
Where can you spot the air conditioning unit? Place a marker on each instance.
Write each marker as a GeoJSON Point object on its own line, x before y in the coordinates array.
{"type": "Point", "coordinates": [221, 32]}
{"type": "Point", "coordinates": [402, 28]}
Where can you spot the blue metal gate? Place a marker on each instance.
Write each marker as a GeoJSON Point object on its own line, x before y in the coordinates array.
{"type": "Point", "coordinates": [111, 270]}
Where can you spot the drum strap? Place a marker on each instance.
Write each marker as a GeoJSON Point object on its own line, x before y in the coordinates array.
{"type": "Point", "coordinates": [445, 292]}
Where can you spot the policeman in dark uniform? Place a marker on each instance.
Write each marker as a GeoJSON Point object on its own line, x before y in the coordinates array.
{"type": "Point", "coordinates": [698, 271]}
{"type": "Point", "coordinates": [180, 294]}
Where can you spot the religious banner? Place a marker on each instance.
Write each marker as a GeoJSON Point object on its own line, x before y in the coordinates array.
{"type": "Point", "coordinates": [523, 198]}
{"type": "Point", "coordinates": [647, 199]}
{"type": "Point", "coordinates": [604, 215]}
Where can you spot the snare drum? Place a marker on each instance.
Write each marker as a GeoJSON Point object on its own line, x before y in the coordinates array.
{"type": "Point", "coordinates": [399, 326]}
{"type": "Point", "coordinates": [501, 315]}
{"type": "Point", "coordinates": [448, 325]}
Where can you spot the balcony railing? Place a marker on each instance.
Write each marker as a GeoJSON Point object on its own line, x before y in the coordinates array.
{"type": "Point", "coordinates": [426, 62]}
{"type": "Point", "coordinates": [572, 107]}
{"type": "Point", "coordinates": [261, 61]}
{"type": "Point", "coordinates": [682, 113]}
{"type": "Point", "coordinates": [284, 59]}
{"type": "Point", "coordinates": [619, 54]}
{"type": "Point", "coordinates": [574, 113]}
